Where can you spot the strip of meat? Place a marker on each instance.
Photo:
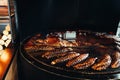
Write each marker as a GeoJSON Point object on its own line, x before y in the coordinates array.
{"type": "Point", "coordinates": [65, 58]}
{"type": "Point", "coordinates": [103, 63]}
{"type": "Point", "coordinates": [67, 43]}
{"type": "Point", "coordinates": [46, 54]}
{"type": "Point", "coordinates": [38, 42]}
{"type": "Point", "coordinates": [82, 50]}
{"type": "Point", "coordinates": [115, 60]}
{"type": "Point", "coordinates": [30, 49]}
{"type": "Point", "coordinates": [101, 49]}
{"type": "Point", "coordinates": [77, 59]}
{"type": "Point", "coordinates": [89, 62]}
{"type": "Point", "coordinates": [49, 55]}
{"type": "Point", "coordinates": [106, 41]}
{"type": "Point", "coordinates": [56, 53]}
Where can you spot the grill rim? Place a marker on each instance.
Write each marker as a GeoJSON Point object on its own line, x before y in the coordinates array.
{"type": "Point", "coordinates": [37, 64]}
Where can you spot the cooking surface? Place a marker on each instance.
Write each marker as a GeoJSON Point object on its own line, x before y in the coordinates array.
{"type": "Point", "coordinates": [36, 55]}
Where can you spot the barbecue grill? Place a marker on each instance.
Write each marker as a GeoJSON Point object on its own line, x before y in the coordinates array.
{"type": "Point", "coordinates": [46, 16]}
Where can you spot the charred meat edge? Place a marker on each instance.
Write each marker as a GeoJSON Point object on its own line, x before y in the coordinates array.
{"type": "Point", "coordinates": [103, 64]}
{"type": "Point", "coordinates": [70, 55]}
{"type": "Point", "coordinates": [49, 55]}
{"type": "Point", "coordinates": [30, 49]}
{"type": "Point", "coordinates": [84, 65]}
{"type": "Point", "coordinates": [55, 53]}
{"type": "Point", "coordinates": [115, 60]}
{"type": "Point", "coordinates": [78, 59]}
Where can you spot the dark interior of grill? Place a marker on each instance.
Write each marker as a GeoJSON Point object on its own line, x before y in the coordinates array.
{"type": "Point", "coordinates": [47, 15]}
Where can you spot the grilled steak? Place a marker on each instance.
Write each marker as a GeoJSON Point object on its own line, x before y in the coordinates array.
{"type": "Point", "coordinates": [115, 60]}
{"type": "Point", "coordinates": [49, 55]}
{"type": "Point", "coordinates": [103, 63]}
{"type": "Point", "coordinates": [77, 59]}
{"type": "Point", "coordinates": [89, 62]}
{"type": "Point", "coordinates": [65, 58]}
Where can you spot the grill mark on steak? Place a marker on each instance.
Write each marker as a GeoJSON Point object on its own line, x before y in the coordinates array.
{"type": "Point", "coordinates": [65, 58]}
{"type": "Point", "coordinates": [49, 55]}
{"type": "Point", "coordinates": [89, 62]}
{"type": "Point", "coordinates": [56, 53]}
{"type": "Point", "coordinates": [31, 49]}
{"type": "Point", "coordinates": [103, 64]}
{"type": "Point", "coordinates": [78, 59]}
{"type": "Point", "coordinates": [115, 60]}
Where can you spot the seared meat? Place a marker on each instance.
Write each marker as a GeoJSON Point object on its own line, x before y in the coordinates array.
{"type": "Point", "coordinates": [89, 62]}
{"type": "Point", "coordinates": [106, 41]}
{"type": "Point", "coordinates": [103, 63]}
{"type": "Point", "coordinates": [115, 59]}
{"type": "Point", "coordinates": [101, 49]}
{"type": "Point", "coordinates": [77, 59]}
{"type": "Point", "coordinates": [67, 43]}
{"type": "Point", "coordinates": [65, 58]}
{"type": "Point", "coordinates": [30, 49]}
{"type": "Point", "coordinates": [56, 53]}
{"type": "Point", "coordinates": [44, 55]}
{"type": "Point", "coordinates": [92, 38]}
{"type": "Point", "coordinates": [49, 55]}
{"type": "Point", "coordinates": [38, 42]}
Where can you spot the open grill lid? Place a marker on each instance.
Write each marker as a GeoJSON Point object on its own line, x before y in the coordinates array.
{"type": "Point", "coordinates": [44, 15]}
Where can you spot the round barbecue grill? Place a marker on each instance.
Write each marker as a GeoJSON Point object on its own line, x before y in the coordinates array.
{"type": "Point", "coordinates": [37, 67]}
